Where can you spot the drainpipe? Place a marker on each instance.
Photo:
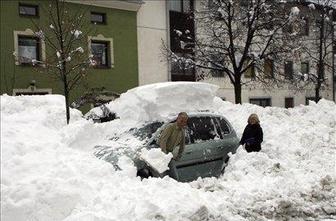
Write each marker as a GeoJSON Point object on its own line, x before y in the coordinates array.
{"type": "Point", "coordinates": [168, 39]}
{"type": "Point", "coordinates": [333, 53]}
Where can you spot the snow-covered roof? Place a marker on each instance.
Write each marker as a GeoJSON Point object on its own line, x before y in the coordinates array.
{"type": "Point", "coordinates": [160, 100]}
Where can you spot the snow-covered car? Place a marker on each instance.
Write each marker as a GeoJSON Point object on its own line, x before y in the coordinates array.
{"type": "Point", "coordinates": [209, 140]}
{"type": "Point", "coordinates": [142, 114]}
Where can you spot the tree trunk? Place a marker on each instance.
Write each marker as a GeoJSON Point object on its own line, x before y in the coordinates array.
{"type": "Point", "coordinates": [317, 92]}
{"type": "Point", "coordinates": [66, 95]}
{"type": "Point", "coordinates": [237, 90]}
{"type": "Point", "coordinates": [63, 68]}
{"type": "Point", "coordinates": [320, 74]}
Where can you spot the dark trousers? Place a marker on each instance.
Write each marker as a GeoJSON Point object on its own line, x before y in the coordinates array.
{"type": "Point", "coordinates": [252, 148]}
{"type": "Point", "coordinates": [172, 172]}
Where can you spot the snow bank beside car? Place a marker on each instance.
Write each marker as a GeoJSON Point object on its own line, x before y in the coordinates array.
{"type": "Point", "coordinates": [41, 177]}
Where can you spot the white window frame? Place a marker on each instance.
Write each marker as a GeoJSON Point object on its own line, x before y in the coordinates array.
{"type": "Point", "coordinates": [100, 37]}
{"type": "Point", "coordinates": [29, 33]}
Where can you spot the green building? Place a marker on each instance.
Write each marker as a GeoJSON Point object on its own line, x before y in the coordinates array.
{"type": "Point", "coordinates": [112, 43]}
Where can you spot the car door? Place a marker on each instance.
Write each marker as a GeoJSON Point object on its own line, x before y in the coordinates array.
{"type": "Point", "coordinates": [197, 160]}
{"type": "Point", "coordinates": [189, 166]}
{"type": "Point", "coordinates": [192, 156]}
{"type": "Point", "coordinates": [230, 139]}
{"type": "Point", "coordinates": [210, 140]}
{"type": "Point", "coordinates": [218, 149]}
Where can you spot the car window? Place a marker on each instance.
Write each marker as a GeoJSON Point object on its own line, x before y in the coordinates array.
{"type": "Point", "coordinates": [202, 129]}
{"type": "Point", "coordinates": [187, 136]}
{"type": "Point", "coordinates": [147, 131]}
{"type": "Point", "coordinates": [224, 126]}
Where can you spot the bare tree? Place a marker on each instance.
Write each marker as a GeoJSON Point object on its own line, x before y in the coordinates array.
{"type": "Point", "coordinates": [236, 37]}
{"type": "Point", "coordinates": [319, 45]}
{"type": "Point", "coordinates": [65, 35]}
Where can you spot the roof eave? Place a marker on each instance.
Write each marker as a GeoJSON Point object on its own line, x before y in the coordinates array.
{"type": "Point", "coordinates": [116, 4]}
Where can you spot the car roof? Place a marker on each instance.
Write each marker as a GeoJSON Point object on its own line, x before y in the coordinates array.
{"type": "Point", "coordinates": [196, 114]}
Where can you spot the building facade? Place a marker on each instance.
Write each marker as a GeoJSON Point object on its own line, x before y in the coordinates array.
{"type": "Point", "coordinates": [129, 41]}
{"type": "Point", "coordinates": [174, 16]}
{"type": "Point", "coordinates": [113, 44]}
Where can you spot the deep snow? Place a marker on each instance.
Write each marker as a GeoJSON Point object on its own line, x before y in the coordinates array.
{"type": "Point", "coordinates": [49, 171]}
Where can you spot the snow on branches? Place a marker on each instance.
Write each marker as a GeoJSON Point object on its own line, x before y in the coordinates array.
{"type": "Point", "coordinates": [76, 33]}
{"type": "Point", "coordinates": [235, 37]}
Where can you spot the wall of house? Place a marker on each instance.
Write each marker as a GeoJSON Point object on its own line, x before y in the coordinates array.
{"type": "Point", "coordinates": [277, 95]}
{"type": "Point", "coordinates": [153, 31]}
{"type": "Point", "coordinates": [121, 26]}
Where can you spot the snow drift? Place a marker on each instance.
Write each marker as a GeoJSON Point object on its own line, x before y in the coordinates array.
{"type": "Point", "coordinates": [50, 173]}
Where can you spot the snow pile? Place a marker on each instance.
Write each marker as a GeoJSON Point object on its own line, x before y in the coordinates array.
{"type": "Point", "coordinates": [49, 171]}
{"type": "Point", "coordinates": [157, 159]}
{"type": "Point", "coordinates": [40, 176]}
{"type": "Point", "coordinates": [157, 101]}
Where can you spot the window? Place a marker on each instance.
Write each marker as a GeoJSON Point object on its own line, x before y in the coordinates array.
{"type": "Point", "coordinates": [217, 73]}
{"type": "Point", "coordinates": [100, 52]}
{"type": "Point", "coordinates": [224, 126]}
{"type": "Point", "coordinates": [269, 68]}
{"type": "Point", "coordinates": [216, 60]}
{"type": "Point", "coordinates": [180, 67]}
{"type": "Point", "coordinates": [183, 6]}
{"type": "Point", "coordinates": [289, 70]}
{"type": "Point", "coordinates": [203, 128]}
{"type": "Point", "coordinates": [98, 18]}
{"type": "Point", "coordinates": [148, 130]}
{"type": "Point", "coordinates": [305, 67]}
{"type": "Point", "coordinates": [28, 49]}
{"type": "Point", "coordinates": [305, 27]}
{"type": "Point", "coordinates": [289, 102]}
{"type": "Point", "coordinates": [28, 10]}
{"type": "Point", "coordinates": [249, 73]}
{"type": "Point", "coordinates": [264, 102]}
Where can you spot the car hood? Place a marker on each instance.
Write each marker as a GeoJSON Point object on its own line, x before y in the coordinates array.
{"type": "Point", "coordinates": [125, 144]}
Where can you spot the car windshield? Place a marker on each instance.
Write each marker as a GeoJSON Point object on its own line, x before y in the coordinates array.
{"type": "Point", "coordinates": [147, 131]}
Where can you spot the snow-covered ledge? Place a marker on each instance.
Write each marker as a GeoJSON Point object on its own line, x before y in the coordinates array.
{"type": "Point", "coordinates": [129, 5]}
{"type": "Point", "coordinates": [32, 89]}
